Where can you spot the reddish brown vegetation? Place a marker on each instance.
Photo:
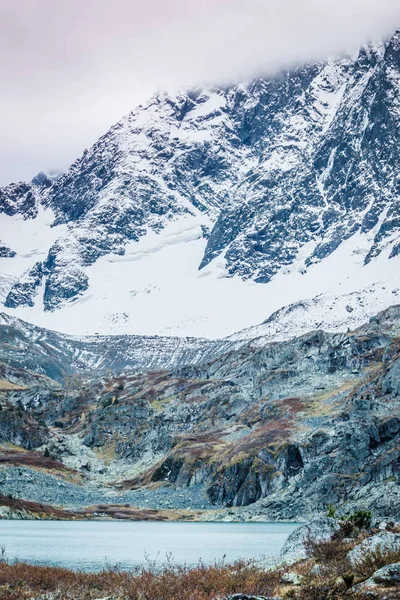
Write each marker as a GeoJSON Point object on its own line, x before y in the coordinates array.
{"type": "Point", "coordinates": [112, 511]}
{"type": "Point", "coordinates": [269, 435]}
{"type": "Point", "coordinates": [131, 513]}
{"type": "Point", "coordinates": [21, 581]}
{"type": "Point", "coordinates": [337, 576]}
{"type": "Point", "coordinates": [44, 511]}
{"type": "Point", "coordinates": [32, 459]}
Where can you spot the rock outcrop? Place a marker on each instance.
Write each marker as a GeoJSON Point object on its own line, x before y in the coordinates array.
{"type": "Point", "coordinates": [259, 431]}
{"type": "Point", "coordinates": [383, 541]}
{"type": "Point", "coordinates": [318, 529]}
{"type": "Point", "coordinates": [387, 575]}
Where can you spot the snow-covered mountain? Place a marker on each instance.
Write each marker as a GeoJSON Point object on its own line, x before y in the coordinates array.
{"type": "Point", "coordinates": [56, 355]}
{"type": "Point", "coordinates": [207, 212]}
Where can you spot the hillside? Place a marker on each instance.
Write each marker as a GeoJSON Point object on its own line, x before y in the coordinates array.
{"type": "Point", "coordinates": [262, 431]}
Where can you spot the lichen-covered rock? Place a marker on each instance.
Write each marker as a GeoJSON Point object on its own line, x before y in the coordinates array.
{"type": "Point", "coordinates": [291, 578]}
{"type": "Point", "coordinates": [388, 575]}
{"type": "Point", "coordinates": [384, 540]}
{"type": "Point", "coordinates": [318, 529]}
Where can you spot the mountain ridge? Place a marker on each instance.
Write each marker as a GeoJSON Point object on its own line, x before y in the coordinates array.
{"type": "Point", "coordinates": [210, 192]}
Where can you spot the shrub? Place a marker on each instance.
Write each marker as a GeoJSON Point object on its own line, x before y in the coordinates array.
{"type": "Point", "coordinates": [170, 582]}
{"type": "Point", "coordinates": [331, 511]}
{"type": "Point", "coordinates": [361, 518]}
{"type": "Point", "coordinates": [323, 589]}
{"type": "Point", "coordinates": [346, 529]}
{"type": "Point", "coordinates": [375, 559]}
{"type": "Point", "coordinates": [327, 551]}
{"type": "Point", "coordinates": [348, 579]}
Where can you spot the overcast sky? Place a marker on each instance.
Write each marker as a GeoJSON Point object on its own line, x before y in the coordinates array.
{"type": "Point", "coordinates": [70, 68]}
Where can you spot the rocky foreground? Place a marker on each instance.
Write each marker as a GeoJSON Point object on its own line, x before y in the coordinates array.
{"type": "Point", "coordinates": [327, 558]}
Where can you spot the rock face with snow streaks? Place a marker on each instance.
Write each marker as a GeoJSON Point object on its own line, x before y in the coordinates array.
{"type": "Point", "coordinates": [278, 175]}
{"type": "Point", "coordinates": [56, 355]}
{"type": "Point", "coordinates": [331, 171]}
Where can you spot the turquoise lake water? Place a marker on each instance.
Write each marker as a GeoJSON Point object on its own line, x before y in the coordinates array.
{"type": "Point", "coordinates": [92, 545]}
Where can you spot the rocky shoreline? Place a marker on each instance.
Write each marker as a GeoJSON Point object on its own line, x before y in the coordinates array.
{"type": "Point", "coordinates": [351, 558]}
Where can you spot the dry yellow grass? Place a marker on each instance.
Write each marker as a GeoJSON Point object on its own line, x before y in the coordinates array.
{"type": "Point", "coordinates": [107, 452]}
{"type": "Point", "coordinates": [7, 386]}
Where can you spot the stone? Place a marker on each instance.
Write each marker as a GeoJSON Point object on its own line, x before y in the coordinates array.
{"type": "Point", "coordinates": [249, 597]}
{"type": "Point", "coordinates": [319, 528]}
{"type": "Point", "coordinates": [291, 578]}
{"type": "Point", "coordinates": [5, 512]}
{"type": "Point", "coordinates": [385, 540]}
{"type": "Point", "coordinates": [388, 575]}
{"type": "Point", "coordinates": [316, 570]}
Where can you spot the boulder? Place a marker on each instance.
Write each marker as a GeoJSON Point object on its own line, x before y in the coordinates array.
{"type": "Point", "coordinates": [291, 578]}
{"type": "Point", "coordinates": [318, 529]}
{"type": "Point", "coordinates": [316, 570]}
{"type": "Point", "coordinates": [388, 575]}
{"type": "Point", "coordinates": [385, 540]}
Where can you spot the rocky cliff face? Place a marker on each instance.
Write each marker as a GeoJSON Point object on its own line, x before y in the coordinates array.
{"type": "Point", "coordinates": [277, 175]}
{"type": "Point", "coordinates": [328, 175]}
{"type": "Point", "coordinates": [267, 430]}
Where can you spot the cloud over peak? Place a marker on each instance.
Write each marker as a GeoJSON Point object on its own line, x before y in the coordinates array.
{"type": "Point", "coordinates": [69, 69]}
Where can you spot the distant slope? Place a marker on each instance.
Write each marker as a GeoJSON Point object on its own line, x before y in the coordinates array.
{"type": "Point", "coordinates": [23, 345]}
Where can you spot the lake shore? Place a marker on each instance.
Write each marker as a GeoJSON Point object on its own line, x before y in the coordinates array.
{"type": "Point", "coordinates": [338, 559]}
{"type": "Point", "coordinates": [18, 508]}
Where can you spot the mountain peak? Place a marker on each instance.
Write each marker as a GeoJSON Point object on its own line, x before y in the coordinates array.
{"type": "Point", "coordinates": [211, 191]}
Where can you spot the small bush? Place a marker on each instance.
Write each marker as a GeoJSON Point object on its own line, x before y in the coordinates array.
{"type": "Point", "coordinates": [346, 529]}
{"type": "Point", "coordinates": [374, 560]}
{"type": "Point", "coordinates": [331, 511]}
{"type": "Point", "coordinates": [327, 551]}
{"type": "Point", "coordinates": [348, 579]}
{"type": "Point", "coordinates": [361, 518]}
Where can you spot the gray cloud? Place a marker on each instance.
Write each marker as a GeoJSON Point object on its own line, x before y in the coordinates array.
{"type": "Point", "coordinates": [70, 68]}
